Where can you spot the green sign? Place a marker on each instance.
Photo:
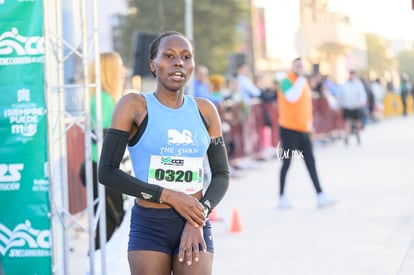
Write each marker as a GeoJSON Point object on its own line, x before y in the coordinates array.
{"type": "Point", "coordinates": [25, 235]}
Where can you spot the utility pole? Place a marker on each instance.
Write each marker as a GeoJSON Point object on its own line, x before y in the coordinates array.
{"type": "Point", "coordinates": [190, 35]}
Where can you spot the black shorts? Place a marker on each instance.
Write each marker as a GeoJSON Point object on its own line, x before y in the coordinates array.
{"type": "Point", "coordinates": [160, 229]}
{"type": "Point", "coordinates": [352, 114]}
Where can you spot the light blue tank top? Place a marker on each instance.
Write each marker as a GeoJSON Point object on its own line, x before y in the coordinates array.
{"type": "Point", "coordinates": [170, 151]}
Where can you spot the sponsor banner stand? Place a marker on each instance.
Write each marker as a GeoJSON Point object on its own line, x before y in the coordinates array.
{"type": "Point", "coordinates": [25, 228]}
{"type": "Point", "coordinates": [70, 28]}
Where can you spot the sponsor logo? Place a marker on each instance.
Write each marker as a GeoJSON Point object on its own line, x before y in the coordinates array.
{"type": "Point", "coordinates": [25, 241]}
{"type": "Point", "coordinates": [146, 196]}
{"type": "Point", "coordinates": [23, 95]}
{"type": "Point", "coordinates": [10, 176]}
{"type": "Point", "coordinates": [172, 161]}
{"type": "Point", "coordinates": [16, 49]}
{"type": "Point", "coordinates": [42, 185]}
{"type": "Point", "coordinates": [176, 137]}
{"type": "Point", "coordinates": [10, 172]}
{"type": "Point", "coordinates": [24, 115]}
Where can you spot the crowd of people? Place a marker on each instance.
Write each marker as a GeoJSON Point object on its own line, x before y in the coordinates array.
{"type": "Point", "coordinates": [248, 108]}
{"type": "Point", "coordinates": [275, 117]}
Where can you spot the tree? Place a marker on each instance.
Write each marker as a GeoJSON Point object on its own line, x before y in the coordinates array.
{"type": "Point", "coordinates": [379, 59]}
{"type": "Point", "coordinates": [406, 62]}
{"type": "Point", "coordinates": [214, 28]}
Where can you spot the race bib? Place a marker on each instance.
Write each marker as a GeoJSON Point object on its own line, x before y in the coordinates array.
{"type": "Point", "coordinates": [183, 174]}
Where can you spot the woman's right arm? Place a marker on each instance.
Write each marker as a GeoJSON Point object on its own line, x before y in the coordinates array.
{"type": "Point", "coordinates": [128, 110]}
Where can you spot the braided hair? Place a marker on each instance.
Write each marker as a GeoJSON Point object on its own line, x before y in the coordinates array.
{"type": "Point", "coordinates": [155, 44]}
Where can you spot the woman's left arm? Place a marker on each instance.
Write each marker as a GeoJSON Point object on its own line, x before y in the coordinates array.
{"type": "Point", "coordinates": [217, 157]}
{"type": "Point", "coordinates": [192, 238]}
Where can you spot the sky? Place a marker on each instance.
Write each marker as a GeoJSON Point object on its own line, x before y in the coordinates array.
{"type": "Point", "coordinates": [392, 19]}
{"type": "Point", "coordinates": [389, 18]}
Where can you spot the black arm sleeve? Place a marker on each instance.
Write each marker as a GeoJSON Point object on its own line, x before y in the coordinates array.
{"type": "Point", "coordinates": [109, 174]}
{"type": "Point", "coordinates": [220, 173]}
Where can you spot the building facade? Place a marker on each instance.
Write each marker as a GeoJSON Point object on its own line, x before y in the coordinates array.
{"type": "Point", "coordinates": [328, 40]}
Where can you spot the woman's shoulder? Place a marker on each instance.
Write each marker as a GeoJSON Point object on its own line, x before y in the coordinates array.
{"type": "Point", "coordinates": [204, 103]}
{"type": "Point", "coordinates": [208, 109]}
{"type": "Point", "coordinates": [132, 99]}
{"type": "Point", "coordinates": [130, 109]}
{"type": "Point", "coordinates": [132, 96]}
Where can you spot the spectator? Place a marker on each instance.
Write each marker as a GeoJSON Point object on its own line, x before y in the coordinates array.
{"type": "Point", "coordinates": [112, 80]}
{"type": "Point", "coordinates": [217, 86]}
{"type": "Point", "coordinates": [295, 120]}
{"type": "Point", "coordinates": [370, 100]}
{"type": "Point", "coordinates": [264, 122]}
{"type": "Point", "coordinates": [234, 113]}
{"type": "Point", "coordinates": [352, 99]}
{"type": "Point", "coordinates": [247, 87]}
{"type": "Point", "coordinates": [404, 89]}
{"type": "Point", "coordinates": [250, 94]}
{"type": "Point", "coordinates": [378, 92]}
{"type": "Point", "coordinates": [202, 84]}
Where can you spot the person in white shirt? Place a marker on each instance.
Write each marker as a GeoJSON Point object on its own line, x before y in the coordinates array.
{"type": "Point", "coordinates": [379, 94]}
{"type": "Point", "coordinates": [250, 94]}
{"type": "Point", "coordinates": [352, 99]}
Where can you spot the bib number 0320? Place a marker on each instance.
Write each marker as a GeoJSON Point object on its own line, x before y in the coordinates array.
{"type": "Point", "coordinates": [182, 174]}
{"type": "Point", "coordinates": [173, 175]}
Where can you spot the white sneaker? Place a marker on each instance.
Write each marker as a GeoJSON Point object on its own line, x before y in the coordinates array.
{"type": "Point", "coordinates": [284, 203]}
{"type": "Point", "coordinates": [324, 200]}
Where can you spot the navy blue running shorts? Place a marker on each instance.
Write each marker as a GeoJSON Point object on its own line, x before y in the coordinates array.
{"type": "Point", "coordinates": [355, 114]}
{"type": "Point", "coordinates": [158, 229]}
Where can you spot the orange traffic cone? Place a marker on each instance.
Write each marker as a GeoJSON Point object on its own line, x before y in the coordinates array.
{"type": "Point", "coordinates": [235, 225]}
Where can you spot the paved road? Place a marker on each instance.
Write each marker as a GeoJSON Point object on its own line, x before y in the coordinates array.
{"type": "Point", "coordinates": [370, 231]}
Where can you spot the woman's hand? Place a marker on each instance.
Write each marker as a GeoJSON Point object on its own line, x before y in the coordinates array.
{"type": "Point", "coordinates": [187, 206]}
{"type": "Point", "coordinates": [192, 241]}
